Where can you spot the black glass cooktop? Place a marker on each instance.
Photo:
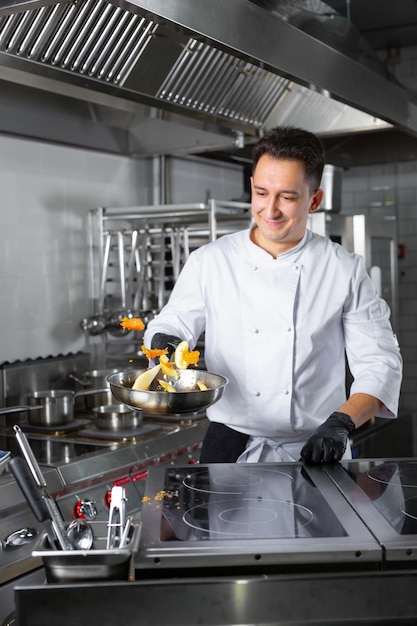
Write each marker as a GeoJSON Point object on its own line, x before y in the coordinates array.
{"type": "Point", "coordinates": [391, 487]}
{"type": "Point", "coordinates": [222, 502]}
{"type": "Point", "coordinates": [252, 515]}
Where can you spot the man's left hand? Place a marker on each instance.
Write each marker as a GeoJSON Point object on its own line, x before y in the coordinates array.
{"type": "Point", "coordinates": [328, 442]}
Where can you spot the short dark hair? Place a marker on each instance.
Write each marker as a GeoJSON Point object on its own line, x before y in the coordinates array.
{"type": "Point", "coordinates": [293, 144]}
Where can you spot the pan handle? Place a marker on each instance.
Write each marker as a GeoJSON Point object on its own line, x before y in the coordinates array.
{"type": "Point", "coordinates": [29, 488]}
{"type": "Point", "coordinates": [19, 409]}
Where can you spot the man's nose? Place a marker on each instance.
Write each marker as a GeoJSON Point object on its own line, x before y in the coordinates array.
{"type": "Point", "coordinates": [272, 207]}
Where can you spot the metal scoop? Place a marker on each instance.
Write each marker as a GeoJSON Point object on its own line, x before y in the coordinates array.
{"type": "Point", "coordinates": [80, 534]}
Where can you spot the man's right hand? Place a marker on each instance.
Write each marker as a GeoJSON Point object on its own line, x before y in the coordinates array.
{"type": "Point", "coordinates": [160, 341]}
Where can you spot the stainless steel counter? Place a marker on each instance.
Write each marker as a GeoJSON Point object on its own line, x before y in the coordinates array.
{"type": "Point", "coordinates": [245, 579]}
{"type": "Point", "coordinates": [297, 600]}
{"type": "Point", "coordinates": [88, 477]}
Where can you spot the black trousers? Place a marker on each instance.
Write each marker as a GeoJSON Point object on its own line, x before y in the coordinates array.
{"type": "Point", "coordinates": [222, 444]}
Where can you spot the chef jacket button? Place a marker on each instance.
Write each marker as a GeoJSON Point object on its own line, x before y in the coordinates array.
{"type": "Point", "coordinates": [289, 329]}
{"type": "Point", "coordinates": [256, 331]}
{"type": "Point", "coordinates": [286, 392]}
{"type": "Point", "coordinates": [257, 394]}
{"type": "Point", "coordinates": [254, 268]}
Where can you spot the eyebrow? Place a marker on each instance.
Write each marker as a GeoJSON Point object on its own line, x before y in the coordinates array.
{"type": "Point", "coordinates": [294, 192]}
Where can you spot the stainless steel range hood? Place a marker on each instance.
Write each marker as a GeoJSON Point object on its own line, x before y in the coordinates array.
{"type": "Point", "coordinates": [146, 77]}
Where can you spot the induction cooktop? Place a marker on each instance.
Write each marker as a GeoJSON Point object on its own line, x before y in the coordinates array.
{"type": "Point", "coordinates": [249, 514]}
{"type": "Point", "coordinates": [383, 492]}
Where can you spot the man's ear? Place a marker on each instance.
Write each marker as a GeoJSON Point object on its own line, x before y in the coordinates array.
{"type": "Point", "coordinates": [316, 200]}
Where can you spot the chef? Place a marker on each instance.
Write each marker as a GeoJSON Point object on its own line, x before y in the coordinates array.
{"type": "Point", "coordinates": [282, 310]}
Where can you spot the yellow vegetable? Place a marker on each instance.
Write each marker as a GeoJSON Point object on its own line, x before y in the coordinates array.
{"type": "Point", "coordinates": [167, 386]}
{"type": "Point", "coordinates": [168, 368]}
{"type": "Point", "coordinates": [202, 386]}
{"type": "Point", "coordinates": [143, 381]}
{"type": "Point", "coordinates": [183, 357]}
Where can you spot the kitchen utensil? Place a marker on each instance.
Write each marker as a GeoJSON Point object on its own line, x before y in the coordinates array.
{"type": "Point", "coordinates": [55, 532]}
{"type": "Point", "coordinates": [63, 566]}
{"type": "Point", "coordinates": [18, 409]}
{"type": "Point", "coordinates": [97, 389]}
{"type": "Point", "coordinates": [56, 407]}
{"type": "Point", "coordinates": [19, 537]}
{"type": "Point", "coordinates": [94, 324]}
{"type": "Point", "coordinates": [125, 535]}
{"type": "Point", "coordinates": [80, 534]}
{"type": "Point", "coordinates": [187, 399]}
{"type": "Point", "coordinates": [94, 397]}
{"type": "Point", "coordinates": [117, 517]}
{"type": "Point", "coordinates": [94, 379]}
{"type": "Point", "coordinates": [122, 268]}
{"type": "Point", "coordinates": [53, 511]}
{"type": "Point", "coordinates": [131, 268]}
{"type": "Point", "coordinates": [104, 269]}
{"type": "Point", "coordinates": [116, 417]}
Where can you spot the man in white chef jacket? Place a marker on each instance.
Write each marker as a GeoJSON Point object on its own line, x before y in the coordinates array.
{"type": "Point", "coordinates": [282, 308]}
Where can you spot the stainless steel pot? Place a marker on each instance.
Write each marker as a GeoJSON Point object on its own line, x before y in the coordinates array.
{"type": "Point", "coordinates": [95, 379]}
{"type": "Point", "coordinates": [187, 399]}
{"type": "Point", "coordinates": [56, 407]}
{"type": "Point", "coordinates": [95, 397]}
{"type": "Point", "coordinates": [97, 390]}
{"type": "Point", "coordinates": [116, 417]}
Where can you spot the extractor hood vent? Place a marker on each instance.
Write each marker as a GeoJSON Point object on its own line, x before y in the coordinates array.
{"type": "Point", "coordinates": [105, 43]}
{"type": "Point", "coordinates": [91, 38]}
{"type": "Point", "coordinates": [214, 82]}
{"type": "Point", "coordinates": [225, 69]}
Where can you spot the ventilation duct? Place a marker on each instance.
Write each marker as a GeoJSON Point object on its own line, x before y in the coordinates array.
{"type": "Point", "coordinates": [149, 77]}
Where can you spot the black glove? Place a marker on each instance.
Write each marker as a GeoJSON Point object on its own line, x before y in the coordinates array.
{"type": "Point", "coordinates": [160, 341]}
{"type": "Point", "coordinates": [328, 442]}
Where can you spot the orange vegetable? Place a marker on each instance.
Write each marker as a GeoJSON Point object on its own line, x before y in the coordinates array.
{"type": "Point", "coordinates": [151, 354]}
{"type": "Point", "coordinates": [132, 323]}
{"type": "Point", "coordinates": [183, 357]}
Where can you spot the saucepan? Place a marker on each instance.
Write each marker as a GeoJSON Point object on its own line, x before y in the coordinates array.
{"type": "Point", "coordinates": [116, 417]}
{"type": "Point", "coordinates": [96, 390]}
{"type": "Point", "coordinates": [188, 398]}
{"type": "Point", "coordinates": [56, 407]}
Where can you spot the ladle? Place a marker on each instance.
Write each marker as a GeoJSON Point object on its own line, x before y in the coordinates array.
{"type": "Point", "coordinates": [80, 534]}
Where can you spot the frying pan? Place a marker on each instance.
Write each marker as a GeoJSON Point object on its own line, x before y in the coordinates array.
{"type": "Point", "coordinates": [187, 399]}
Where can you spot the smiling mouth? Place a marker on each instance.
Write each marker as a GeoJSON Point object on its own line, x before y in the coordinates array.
{"type": "Point", "coordinates": [273, 223]}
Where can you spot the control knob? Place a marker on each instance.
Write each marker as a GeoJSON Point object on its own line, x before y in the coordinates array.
{"type": "Point", "coordinates": [85, 509]}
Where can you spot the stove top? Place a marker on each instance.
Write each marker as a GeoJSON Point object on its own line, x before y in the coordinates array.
{"type": "Point", "coordinates": [231, 502]}
{"type": "Point", "coordinates": [249, 514]}
{"type": "Point", "coordinates": [384, 494]}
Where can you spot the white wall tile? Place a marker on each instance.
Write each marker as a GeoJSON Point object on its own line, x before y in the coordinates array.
{"type": "Point", "coordinates": [47, 193]}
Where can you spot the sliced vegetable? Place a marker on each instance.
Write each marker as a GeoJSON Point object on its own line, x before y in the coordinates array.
{"type": "Point", "coordinates": [183, 357]}
{"type": "Point", "coordinates": [144, 380]}
{"type": "Point", "coordinates": [167, 386]}
{"type": "Point", "coordinates": [168, 368]}
{"type": "Point", "coordinates": [202, 386]}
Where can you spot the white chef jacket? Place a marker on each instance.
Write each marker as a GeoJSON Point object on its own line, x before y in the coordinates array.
{"type": "Point", "coordinates": [278, 330]}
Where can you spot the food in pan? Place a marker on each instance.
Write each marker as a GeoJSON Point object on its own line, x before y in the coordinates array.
{"type": "Point", "coordinates": [144, 380]}
{"type": "Point", "coordinates": [183, 357]}
{"type": "Point", "coordinates": [168, 367]}
{"type": "Point", "coordinates": [132, 323]}
{"type": "Point", "coordinates": [151, 353]}
{"type": "Point", "coordinates": [166, 386]}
